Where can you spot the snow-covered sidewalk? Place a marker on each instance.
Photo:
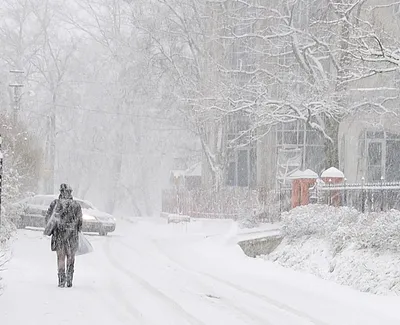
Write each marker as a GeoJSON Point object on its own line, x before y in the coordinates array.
{"type": "Point", "coordinates": [264, 230]}
{"type": "Point", "coordinates": [153, 273]}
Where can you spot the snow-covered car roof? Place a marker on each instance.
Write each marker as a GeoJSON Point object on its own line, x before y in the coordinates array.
{"type": "Point", "coordinates": [47, 198]}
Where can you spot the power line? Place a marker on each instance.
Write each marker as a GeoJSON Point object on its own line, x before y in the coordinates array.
{"type": "Point", "coordinates": [116, 154]}
{"type": "Point", "coordinates": [154, 117]}
{"type": "Point", "coordinates": [112, 113]}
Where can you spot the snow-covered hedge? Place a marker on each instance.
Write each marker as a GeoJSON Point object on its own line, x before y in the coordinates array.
{"type": "Point", "coordinates": [367, 270]}
{"type": "Point", "coordinates": [12, 191]}
{"type": "Point", "coordinates": [343, 245]}
{"type": "Point", "coordinates": [6, 230]}
{"type": "Point", "coordinates": [343, 226]}
{"type": "Point", "coordinates": [320, 220]}
{"type": "Point", "coordinates": [22, 166]}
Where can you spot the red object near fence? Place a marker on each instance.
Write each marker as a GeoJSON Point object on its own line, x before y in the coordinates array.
{"type": "Point", "coordinates": [333, 176]}
{"type": "Point", "coordinates": [301, 183]}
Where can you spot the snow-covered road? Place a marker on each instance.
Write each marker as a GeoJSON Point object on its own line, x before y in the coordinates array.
{"type": "Point", "coordinates": [148, 272]}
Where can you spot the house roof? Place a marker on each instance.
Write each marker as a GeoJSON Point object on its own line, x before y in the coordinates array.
{"type": "Point", "coordinates": [192, 171]}
{"type": "Point", "coordinates": [177, 173]}
{"type": "Point", "coordinates": [195, 170]}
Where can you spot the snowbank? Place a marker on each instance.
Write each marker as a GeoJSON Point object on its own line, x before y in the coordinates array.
{"type": "Point", "coordinates": [4, 258]}
{"type": "Point", "coordinates": [343, 245]}
{"type": "Point", "coordinates": [264, 230]}
{"type": "Point", "coordinates": [175, 218]}
{"type": "Point", "coordinates": [6, 230]}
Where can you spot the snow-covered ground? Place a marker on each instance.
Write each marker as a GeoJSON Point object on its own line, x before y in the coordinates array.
{"type": "Point", "coordinates": [148, 272]}
{"type": "Point", "coordinates": [343, 245]}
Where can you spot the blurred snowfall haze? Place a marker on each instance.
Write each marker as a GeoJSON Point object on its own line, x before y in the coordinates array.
{"type": "Point", "coordinates": [117, 97]}
{"type": "Point", "coordinates": [111, 95]}
{"type": "Point", "coordinates": [90, 105]}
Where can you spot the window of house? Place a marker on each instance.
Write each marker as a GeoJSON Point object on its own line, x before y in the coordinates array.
{"type": "Point", "coordinates": [382, 156]}
{"type": "Point", "coordinates": [241, 169]}
{"type": "Point", "coordinates": [239, 129]}
{"type": "Point", "coordinates": [243, 55]}
{"type": "Point", "coordinates": [298, 147]}
{"type": "Point", "coordinates": [375, 160]}
{"type": "Point", "coordinates": [396, 9]}
{"type": "Point", "coordinates": [301, 14]}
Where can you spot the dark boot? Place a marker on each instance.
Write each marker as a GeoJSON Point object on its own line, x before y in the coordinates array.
{"type": "Point", "coordinates": [61, 279]}
{"type": "Point", "coordinates": [70, 275]}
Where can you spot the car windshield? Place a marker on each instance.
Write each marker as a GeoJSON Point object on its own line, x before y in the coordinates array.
{"type": "Point", "coordinates": [46, 200]}
{"type": "Point", "coordinates": [85, 205]}
{"type": "Point", "coordinates": [24, 201]}
{"type": "Point", "coordinates": [39, 200]}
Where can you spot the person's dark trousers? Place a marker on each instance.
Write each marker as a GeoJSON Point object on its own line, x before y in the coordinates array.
{"type": "Point", "coordinates": [61, 268]}
{"type": "Point", "coordinates": [65, 278]}
{"type": "Point", "coordinates": [70, 269]}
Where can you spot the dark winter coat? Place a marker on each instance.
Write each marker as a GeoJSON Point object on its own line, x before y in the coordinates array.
{"type": "Point", "coordinates": [65, 236]}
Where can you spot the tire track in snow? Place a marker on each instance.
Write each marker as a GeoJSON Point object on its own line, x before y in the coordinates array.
{"type": "Point", "coordinates": [221, 301]}
{"type": "Point", "coordinates": [228, 302]}
{"type": "Point", "coordinates": [124, 310]}
{"type": "Point", "coordinates": [121, 306]}
{"type": "Point", "coordinates": [119, 296]}
{"type": "Point", "coordinates": [275, 303]}
{"type": "Point", "coordinates": [153, 290]}
{"type": "Point", "coordinates": [124, 303]}
{"type": "Point", "coordinates": [245, 312]}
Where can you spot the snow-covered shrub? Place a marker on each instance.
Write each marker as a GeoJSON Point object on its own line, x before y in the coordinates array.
{"type": "Point", "coordinates": [367, 270]}
{"type": "Point", "coordinates": [349, 231]}
{"type": "Point", "coordinates": [12, 190]}
{"type": "Point", "coordinates": [248, 222]}
{"type": "Point", "coordinates": [340, 238]}
{"type": "Point", "coordinates": [319, 220]}
{"type": "Point", "coordinates": [21, 169]}
{"type": "Point", "coordinates": [381, 231]}
{"type": "Point", "coordinates": [343, 245]}
{"type": "Point", "coordinates": [6, 230]}
{"type": "Point", "coordinates": [343, 226]}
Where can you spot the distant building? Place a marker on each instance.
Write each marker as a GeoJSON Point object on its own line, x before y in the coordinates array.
{"type": "Point", "coordinates": [368, 141]}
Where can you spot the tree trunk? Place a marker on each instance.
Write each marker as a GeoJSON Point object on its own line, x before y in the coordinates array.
{"type": "Point", "coordinates": [218, 178]}
{"type": "Point", "coordinates": [331, 147]}
{"type": "Point", "coordinates": [331, 124]}
{"type": "Point", "coordinates": [115, 188]}
{"type": "Point", "coordinates": [51, 149]}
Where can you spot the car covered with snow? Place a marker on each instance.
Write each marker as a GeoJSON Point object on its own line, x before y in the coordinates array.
{"type": "Point", "coordinates": [33, 213]}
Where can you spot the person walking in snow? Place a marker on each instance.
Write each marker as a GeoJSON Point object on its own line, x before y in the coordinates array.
{"type": "Point", "coordinates": [65, 235]}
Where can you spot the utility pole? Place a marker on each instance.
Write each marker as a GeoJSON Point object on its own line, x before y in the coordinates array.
{"type": "Point", "coordinates": [50, 153]}
{"type": "Point", "coordinates": [17, 86]}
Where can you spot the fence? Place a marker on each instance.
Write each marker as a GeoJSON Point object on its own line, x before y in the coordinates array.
{"type": "Point", "coordinates": [231, 202]}
{"type": "Point", "coordinates": [267, 205]}
{"type": "Point", "coordinates": [365, 197]}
